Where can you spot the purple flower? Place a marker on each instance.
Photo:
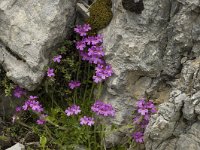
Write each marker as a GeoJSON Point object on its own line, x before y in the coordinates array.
{"type": "Point", "coordinates": [146, 107]}
{"type": "Point", "coordinates": [143, 111]}
{"type": "Point", "coordinates": [19, 92]}
{"type": "Point", "coordinates": [33, 97]}
{"type": "Point", "coordinates": [94, 40]}
{"type": "Point", "coordinates": [147, 117]}
{"type": "Point", "coordinates": [18, 109]}
{"type": "Point", "coordinates": [57, 58]}
{"type": "Point", "coordinates": [50, 72]}
{"type": "Point", "coordinates": [99, 38]}
{"type": "Point", "coordinates": [101, 108]}
{"type": "Point", "coordinates": [95, 60]}
{"type": "Point", "coordinates": [102, 72]}
{"type": "Point", "coordinates": [94, 54]}
{"type": "Point", "coordinates": [153, 110]}
{"type": "Point", "coordinates": [87, 121]}
{"type": "Point", "coordinates": [96, 51]}
{"type": "Point", "coordinates": [74, 84]}
{"type": "Point", "coordinates": [73, 110]}
{"type": "Point", "coordinates": [149, 104]}
{"type": "Point", "coordinates": [82, 29]}
{"type": "Point", "coordinates": [87, 27]}
{"type": "Point", "coordinates": [33, 105]}
{"type": "Point", "coordinates": [97, 79]}
{"type": "Point", "coordinates": [41, 120]}
{"type": "Point", "coordinates": [84, 55]}
{"type": "Point", "coordinates": [80, 45]}
{"type": "Point", "coordinates": [89, 40]}
{"type": "Point", "coordinates": [26, 105]}
{"type": "Point", "coordinates": [138, 137]}
{"type": "Point", "coordinates": [141, 103]}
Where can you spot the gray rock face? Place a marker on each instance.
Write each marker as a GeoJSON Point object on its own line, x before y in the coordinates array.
{"type": "Point", "coordinates": [180, 114]}
{"type": "Point", "coordinates": [156, 54]}
{"type": "Point", "coordinates": [28, 31]}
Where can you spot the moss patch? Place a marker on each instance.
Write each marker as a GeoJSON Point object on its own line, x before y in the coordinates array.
{"type": "Point", "coordinates": [100, 14]}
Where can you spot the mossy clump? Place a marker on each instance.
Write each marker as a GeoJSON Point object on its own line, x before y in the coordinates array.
{"type": "Point", "coordinates": [100, 14]}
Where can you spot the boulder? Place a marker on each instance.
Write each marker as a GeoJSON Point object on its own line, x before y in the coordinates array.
{"type": "Point", "coordinates": [29, 30]}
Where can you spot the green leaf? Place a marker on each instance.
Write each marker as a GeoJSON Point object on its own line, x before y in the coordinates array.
{"type": "Point", "coordinates": [43, 141]}
{"type": "Point", "coordinates": [3, 138]}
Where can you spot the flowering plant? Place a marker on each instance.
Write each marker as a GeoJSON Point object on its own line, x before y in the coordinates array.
{"type": "Point", "coordinates": [65, 110]}
{"type": "Point", "coordinates": [67, 104]}
{"type": "Point", "coordinates": [144, 110]}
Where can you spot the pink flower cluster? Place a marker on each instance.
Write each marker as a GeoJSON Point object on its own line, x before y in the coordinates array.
{"type": "Point", "coordinates": [57, 58]}
{"type": "Point", "coordinates": [87, 121]}
{"type": "Point", "coordinates": [42, 119]}
{"type": "Point", "coordinates": [99, 107]}
{"type": "Point", "coordinates": [50, 71]}
{"type": "Point", "coordinates": [82, 30]}
{"type": "Point", "coordinates": [139, 137]}
{"type": "Point", "coordinates": [102, 72]}
{"type": "Point", "coordinates": [144, 110]}
{"type": "Point", "coordinates": [73, 110]}
{"type": "Point", "coordinates": [103, 109]}
{"type": "Point", "coordinates": [33, 104]}
{"type": "Point", "coordinates": [74, 84]}
{"type": "Point", "coordinates": [19, 92]}
{"type": "Point", "coordinates": [91, 49]}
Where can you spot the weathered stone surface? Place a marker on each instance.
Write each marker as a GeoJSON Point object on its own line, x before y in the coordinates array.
{"type": "Point", "coordinates": [185, 124]}
{"type": "Point", "coordinates": [129, 39]}
{"type": "Point", "coordinates": [17, 146]}
{"type": "Point", "coordinates": [156, 54]}
{"type": "Point", "coordinates": [28, 31]}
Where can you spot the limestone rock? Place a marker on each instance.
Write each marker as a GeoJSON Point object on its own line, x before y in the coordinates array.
{"type": "Point", "coordinates": [156, 54]}
{"type": "Point", "coordinates": [17, 146]}
{"type": "Point", "coordinates": [29, 30]}
{"type": "Point", "coordinates": [185, 111]}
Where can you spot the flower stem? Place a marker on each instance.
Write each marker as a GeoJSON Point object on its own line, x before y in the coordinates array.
{"type": "Point", "coordinates": [99, 90]}
{"type": "Point", "coordinates": [92, 90]}
{"type": "Point", "coordinates": [89, 143]}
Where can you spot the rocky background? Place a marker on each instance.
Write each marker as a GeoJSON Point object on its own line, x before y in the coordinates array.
{"type": "Point", "coordinates": [155, 54]}
{"type": "Point", "coordinates": [28, 31]}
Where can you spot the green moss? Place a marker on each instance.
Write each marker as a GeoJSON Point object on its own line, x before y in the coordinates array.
{"type": "Point", "coordinates": [100, 14]}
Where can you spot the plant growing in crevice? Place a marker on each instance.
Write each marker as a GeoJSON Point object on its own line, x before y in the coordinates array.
{"type": "Point", "coordinates": [64, 111]}
{"type": "Point", "coordinates": [66, 120]}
